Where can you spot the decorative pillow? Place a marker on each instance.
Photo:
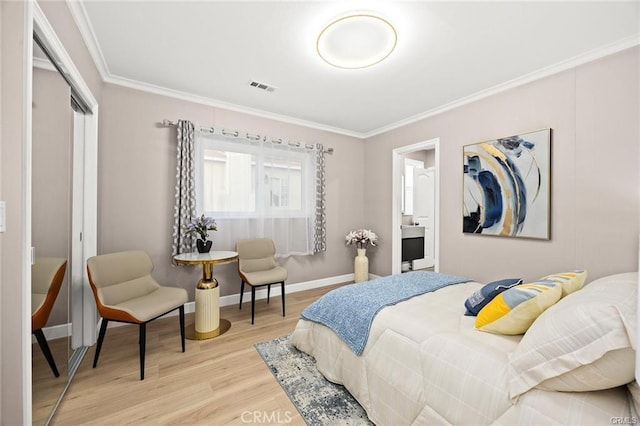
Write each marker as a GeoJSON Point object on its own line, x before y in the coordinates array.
{"type": "Point", "coordinates": [585, 342]}
{"type": "Point", "coordinates": [481, 297]}
{"type": "Point", "coordinates": [513, 311]}
{"type": "Point", "coordinates": [571, 281]}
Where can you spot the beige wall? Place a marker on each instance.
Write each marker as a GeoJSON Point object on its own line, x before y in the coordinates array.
{"type": "Point", "coordinates": [13, 248]}
{"type": "Point", "coordinates": [60, 18]}
{"type": "Point", "coordinates": [427, 156]}
{"type": "Point", "coordinates": [137, 179]}
{"type": "Point", "coordinates": [593, 111]}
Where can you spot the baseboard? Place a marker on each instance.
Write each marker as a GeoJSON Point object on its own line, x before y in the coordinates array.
{"type": "Point", "coordinates": [234, 299]}
{"type": "Point", "coordinates": [54, 332]}
{"type": "Point", "coordinates": [64, 330]}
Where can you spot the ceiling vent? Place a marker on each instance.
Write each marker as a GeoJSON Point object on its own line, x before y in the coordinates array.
{"type": "Point", "coordinates": [262, 86]}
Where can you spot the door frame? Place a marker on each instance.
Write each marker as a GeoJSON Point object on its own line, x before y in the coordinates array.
{"type": "Point", "coordinates": [397, 157]}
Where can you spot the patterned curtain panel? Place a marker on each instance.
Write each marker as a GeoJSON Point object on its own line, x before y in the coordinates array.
{"type": "Point", "coordinates": [320, 230]}
{"type": "Point", "coordinates": [185, 198]}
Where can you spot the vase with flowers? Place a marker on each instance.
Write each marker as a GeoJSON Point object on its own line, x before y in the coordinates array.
{"type": "Point", "coordinates": [361, 238]}
{"type": "Point", "coordinates": [201, 226]}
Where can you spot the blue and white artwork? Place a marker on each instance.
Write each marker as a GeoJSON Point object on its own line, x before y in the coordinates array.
{"type": "Point", "coordinates": [507, 186]}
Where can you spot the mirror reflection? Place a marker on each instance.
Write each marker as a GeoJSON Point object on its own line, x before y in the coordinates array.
{"type": "Point", "coordinates": [52, 143]}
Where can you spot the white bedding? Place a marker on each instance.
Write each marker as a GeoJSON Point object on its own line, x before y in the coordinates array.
{"type": "Point", "coordinates": [424, 363]}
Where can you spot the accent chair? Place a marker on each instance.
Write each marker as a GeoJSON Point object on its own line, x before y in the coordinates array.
{"type": "Point", "coordinates": [125, 292]}
{"type": "Point", "coordinates": [47, 274]}
{"type": "Point", "coordinates": [258, 268]}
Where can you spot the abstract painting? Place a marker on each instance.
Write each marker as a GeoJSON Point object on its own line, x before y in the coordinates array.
{"type": "Point", "coordinates": [506, 186]}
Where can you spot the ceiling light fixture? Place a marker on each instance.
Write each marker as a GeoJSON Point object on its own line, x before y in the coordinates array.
{"type": "Point", "coordinates": [355, 41]}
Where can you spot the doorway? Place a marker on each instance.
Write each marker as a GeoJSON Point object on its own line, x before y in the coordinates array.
{"type": "Point", "coordinates": [398, 197]}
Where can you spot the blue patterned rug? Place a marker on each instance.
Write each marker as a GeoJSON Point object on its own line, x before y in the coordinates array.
{"type": "Point", "coordinates": [319, 401]}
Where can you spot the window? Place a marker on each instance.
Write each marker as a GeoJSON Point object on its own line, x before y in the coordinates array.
{"type": "Point", "coordinates": [227, 183]}
{"type": "Point", "coordinates": [271, 187]}
{"type": "Point", "coordinates": [242, 179]}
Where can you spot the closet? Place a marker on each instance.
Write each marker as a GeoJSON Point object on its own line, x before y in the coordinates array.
{"type": "Point", "coordinates": [63, 159]}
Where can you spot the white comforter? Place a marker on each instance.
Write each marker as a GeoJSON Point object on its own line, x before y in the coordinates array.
{"type": "Point", "coordinates": [424, 363]}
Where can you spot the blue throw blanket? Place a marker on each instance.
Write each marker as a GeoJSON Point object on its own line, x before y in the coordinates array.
{"type": "Point", "coordinates": [350, 310]}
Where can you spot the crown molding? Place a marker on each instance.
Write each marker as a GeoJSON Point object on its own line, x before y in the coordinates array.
{"type": "Point", "coordinates": [43, 64]}
{"type": "Point", "coordinates": [81, 18]}
{"type": "Point", "coordinates": [584, 58]}
{"type": "Point", "coordinates": [79, 14]}
{"type": "Point", "coordinates": [189, 97]}
{"type": "Point", "coordinates": [43, 29]}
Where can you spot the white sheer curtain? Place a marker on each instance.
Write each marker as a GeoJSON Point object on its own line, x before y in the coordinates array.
{"type": "Point", "coordinates": [256, 189]}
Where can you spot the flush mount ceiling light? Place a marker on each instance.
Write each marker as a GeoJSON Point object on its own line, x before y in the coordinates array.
{"type": "Point", "coordinates": [356, 41]}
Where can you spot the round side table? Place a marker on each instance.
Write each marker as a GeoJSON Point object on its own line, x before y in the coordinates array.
{"type": "Point", "coordinates": [208, 323]}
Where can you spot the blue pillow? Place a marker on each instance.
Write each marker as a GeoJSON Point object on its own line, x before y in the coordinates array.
{"type": "Point", "coordinates": [481, 297]}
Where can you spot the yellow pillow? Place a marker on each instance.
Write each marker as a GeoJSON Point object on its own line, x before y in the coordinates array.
{"type": "Point", "coordinates": [571, 281]}
{"type": "Point", "coordinates": [514, 310]}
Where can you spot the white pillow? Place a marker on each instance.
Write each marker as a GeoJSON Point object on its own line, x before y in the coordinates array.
{"type": "Point", "coordinates": [615, 367]}
{"type": "Point", "coordinates": [584, 342]}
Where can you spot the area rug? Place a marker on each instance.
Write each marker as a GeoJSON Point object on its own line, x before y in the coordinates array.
{"type": "Point", "coordinates": [319, 401]}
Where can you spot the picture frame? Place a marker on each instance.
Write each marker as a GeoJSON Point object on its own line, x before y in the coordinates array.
{"type": "Point", "coordinates": [507, 186]}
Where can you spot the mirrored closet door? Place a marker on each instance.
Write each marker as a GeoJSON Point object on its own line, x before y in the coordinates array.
{"type": "Point", "coordinates": [59, 213]}
{"type": "Point", "coordinates": [52, 148]}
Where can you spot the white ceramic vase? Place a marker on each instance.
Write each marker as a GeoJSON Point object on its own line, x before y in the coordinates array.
{"type": "Point", "coordinates": [361, 266]}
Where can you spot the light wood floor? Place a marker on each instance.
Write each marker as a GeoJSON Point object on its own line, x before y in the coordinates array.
{"type": "Point", "coordinates": [46, 388]}
{"type": "Point", "coordinates": [215, 382]}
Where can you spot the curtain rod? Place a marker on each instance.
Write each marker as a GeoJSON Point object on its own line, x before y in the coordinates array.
{"type": "Point", "coordinates": [237, 134]}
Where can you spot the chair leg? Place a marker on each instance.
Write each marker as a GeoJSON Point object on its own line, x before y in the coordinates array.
{"type": "Point", "coordinates": [268, 292]}
{"type": "Point", "coordinates": [282, 287]}
{"type": "Point", "coordinates": [182, 326]}
{"type": "Point", "coordinates": [44, 346]}
{"type": "Point", "coordinates": [253, 302]}
{"type": "Point", "coordinates": [241, 293]}
{"type": "Point", "coordinates": [103, 330]}
{"type": "Point", "coordinates": [143, 342]}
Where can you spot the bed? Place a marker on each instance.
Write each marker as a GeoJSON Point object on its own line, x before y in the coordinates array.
{"type": "Point", "coordinates": [424, 361]}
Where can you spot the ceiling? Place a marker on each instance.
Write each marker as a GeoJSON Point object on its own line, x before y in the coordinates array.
{"type": "Point", "coordinates": [447, 53]}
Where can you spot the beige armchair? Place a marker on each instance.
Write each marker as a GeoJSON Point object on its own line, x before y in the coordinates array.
{"type": "Point", "coordinates": [125, 292]}
{"type": "Point", "coordinates": [257, 268]}
{"type": "Point", "coordinates": [47, 274]}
